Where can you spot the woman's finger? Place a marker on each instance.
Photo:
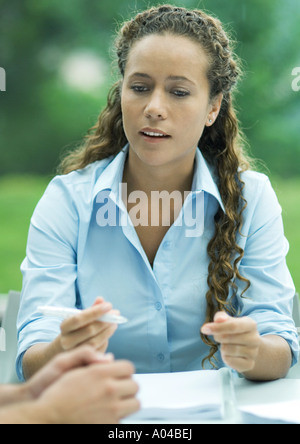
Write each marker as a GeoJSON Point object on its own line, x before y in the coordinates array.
{"type": "Point", "coordinates": [85, 317]}
{"type": "Point", "coordinates": [93, 334]}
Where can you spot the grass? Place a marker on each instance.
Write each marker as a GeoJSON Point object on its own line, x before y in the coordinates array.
{"type": "Point", "coordinates": [288, 193]}
{"type": "Point", "coordinates": [19, 196]}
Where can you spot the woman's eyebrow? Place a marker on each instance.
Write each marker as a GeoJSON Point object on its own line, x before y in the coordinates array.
{"type": "Point", "coordinates": [140, 74]}
{"type": "Point", "coordinates": [174, 78]}
{"type": "Point", "coordinates": [181, 78]}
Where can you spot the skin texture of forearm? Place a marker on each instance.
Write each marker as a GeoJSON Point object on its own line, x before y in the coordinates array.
{"type": "Point", "coordinates": [10, 394]}
{"type": "Point", "coordinates": [39, 355]}
{"type": "Point", "coordinates": [273, 360]}
{"type": "Point", "coordinates": [24, 413]}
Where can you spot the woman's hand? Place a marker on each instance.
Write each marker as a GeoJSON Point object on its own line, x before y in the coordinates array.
{"type": "Point", "coordinates": [81, 329]}
{"type": "Point", "coordinates": [85, 328]}
{"type": "Point", "coordinates": [239, 340]}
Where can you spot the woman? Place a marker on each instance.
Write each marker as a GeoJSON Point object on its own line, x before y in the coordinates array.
{"type": "Point", "coordinates": [119, 221]}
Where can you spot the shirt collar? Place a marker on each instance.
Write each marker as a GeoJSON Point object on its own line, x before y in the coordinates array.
{"type": "Point", "coordinates": [204, 179]}
{"type": "Point", "coordinates": [112, 176]}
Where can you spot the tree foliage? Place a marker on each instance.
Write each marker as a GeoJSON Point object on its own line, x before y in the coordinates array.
{"type": "Point", "coordinates": [41, 114]}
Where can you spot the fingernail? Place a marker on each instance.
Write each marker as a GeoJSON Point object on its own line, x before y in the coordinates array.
{"type": "Point", "coordinates": [106, 306]}
{"type": "Point", "coordinates": [206, 330]}
{"type": "Point", "coordinates": [107, 357]}
{"type": "Point", "coordinates": [221, 317]}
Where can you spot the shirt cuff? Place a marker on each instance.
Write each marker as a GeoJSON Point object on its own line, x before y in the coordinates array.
{"type": "Point", "coordinates": [43, 330]}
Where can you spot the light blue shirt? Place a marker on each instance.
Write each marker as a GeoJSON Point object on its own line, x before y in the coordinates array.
{"type": "Point", "coordinates": [71, 260]}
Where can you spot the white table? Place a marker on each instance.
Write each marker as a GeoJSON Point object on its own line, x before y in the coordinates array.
{"type": "Point", "coordinates": [249, 393]}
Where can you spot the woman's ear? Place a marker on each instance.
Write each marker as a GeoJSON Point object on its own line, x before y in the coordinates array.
{"type": "Point", "coordinates": [215, 107]}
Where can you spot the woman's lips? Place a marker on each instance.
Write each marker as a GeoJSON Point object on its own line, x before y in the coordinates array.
{"type": "Point", "coordinates": [154, 135]}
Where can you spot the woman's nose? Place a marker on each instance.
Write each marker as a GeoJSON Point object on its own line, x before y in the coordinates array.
{"type": "Point", "coordinates": [156, 107]}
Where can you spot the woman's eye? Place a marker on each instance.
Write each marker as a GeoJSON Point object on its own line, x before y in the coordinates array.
{"type": "Point", "coordinates": [180, 93]}
{"type": "Point", "coordinates": [139, 88]}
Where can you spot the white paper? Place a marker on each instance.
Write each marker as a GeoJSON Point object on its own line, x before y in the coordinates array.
{"type": "Point", "coordinates": [180, 395]}
{"type": "Point", "coordinates": [287, 411]}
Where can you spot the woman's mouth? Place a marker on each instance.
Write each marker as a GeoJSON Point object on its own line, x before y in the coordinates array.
{"type": "Point", "coordinates": [154, 135]}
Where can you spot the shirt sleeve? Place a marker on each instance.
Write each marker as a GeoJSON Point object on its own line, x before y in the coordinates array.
{"type": "Point", "coordinates": [269, 300]}
{"type": "Point", "coordinates": [49, 269]}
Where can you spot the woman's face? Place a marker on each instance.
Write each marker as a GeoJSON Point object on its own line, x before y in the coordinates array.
{"type": "Point", "coordinates": [166, 99]}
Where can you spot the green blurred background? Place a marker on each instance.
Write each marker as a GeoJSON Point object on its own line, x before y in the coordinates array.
{"type": "Point", "coordinates": [57, 56]}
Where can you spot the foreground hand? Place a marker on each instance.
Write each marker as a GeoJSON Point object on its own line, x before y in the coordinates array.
{"type": "Point", "coordinates": [85, 328]}
{"type": "Point", "coordinates": [239, 340]}
{"type": "Point", "coordinates": [97, 394]}
{"type": "Point", "coordinates": [63, 363]}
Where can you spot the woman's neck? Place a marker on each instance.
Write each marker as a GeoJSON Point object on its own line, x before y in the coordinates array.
{"type": "Point", "coordinates": [148, 178]}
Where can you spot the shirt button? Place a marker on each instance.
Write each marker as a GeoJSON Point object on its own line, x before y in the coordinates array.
{"type": "Point", "coordinates": [160, 357]}
{"type": "Point", "coordinates": [166, 245]}
{"type": "Point", "coordinates": [158, 306]}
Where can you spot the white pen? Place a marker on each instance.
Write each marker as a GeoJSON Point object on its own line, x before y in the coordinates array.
{"type": "Point", "coordinates": [65, 313]}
